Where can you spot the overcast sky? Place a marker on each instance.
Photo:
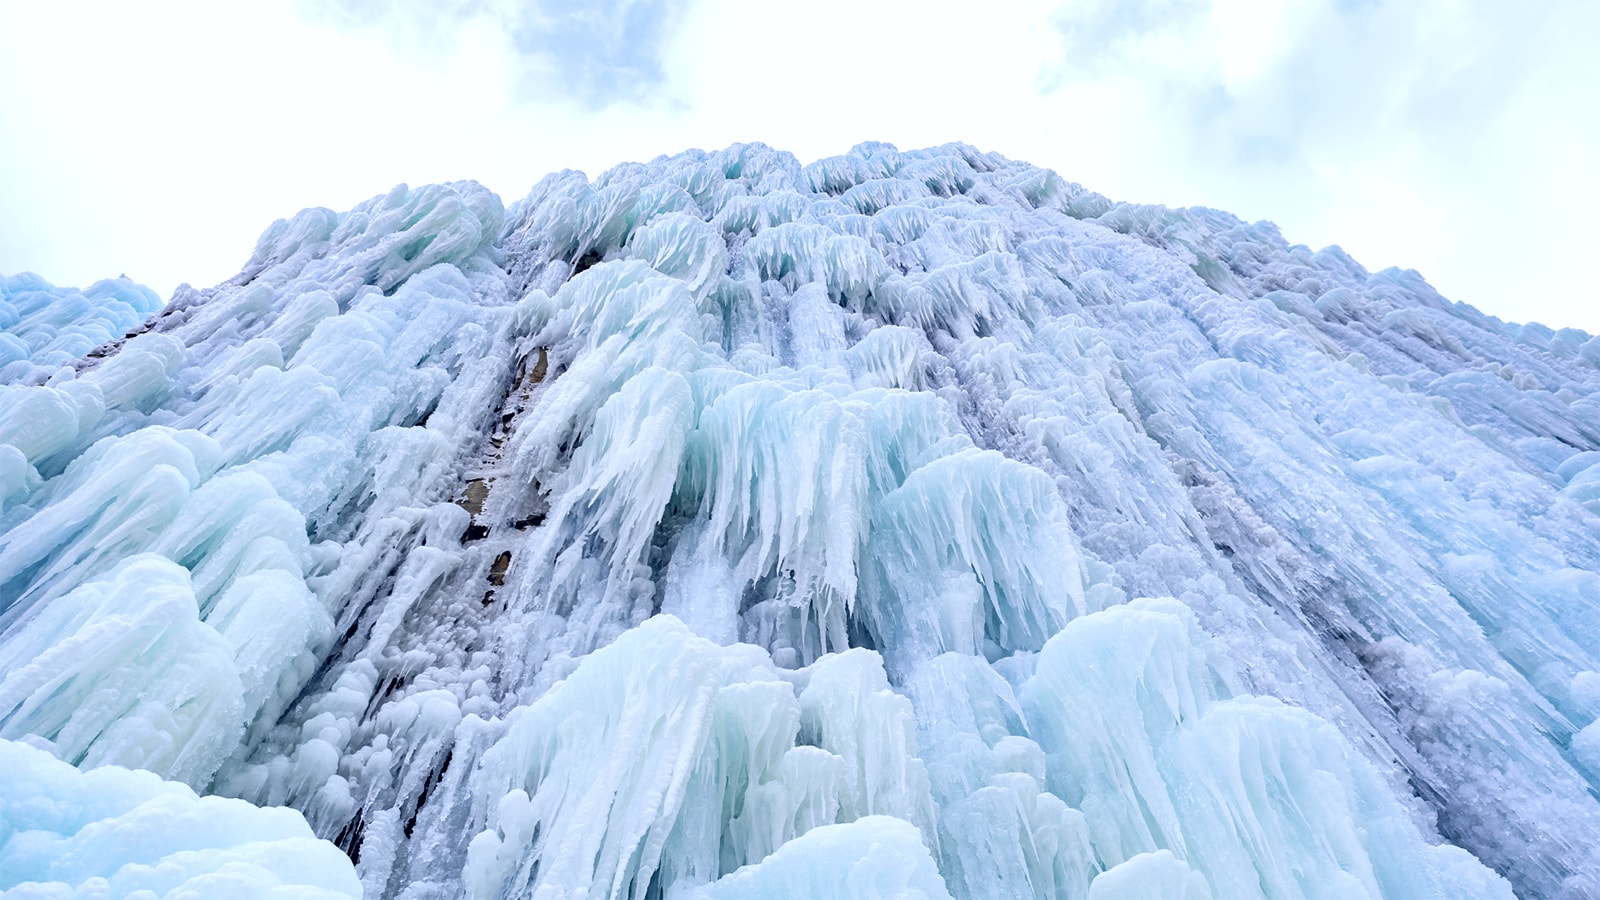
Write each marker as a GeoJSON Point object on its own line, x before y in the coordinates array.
{"type": "Point", "coordinates": [1460, 138]}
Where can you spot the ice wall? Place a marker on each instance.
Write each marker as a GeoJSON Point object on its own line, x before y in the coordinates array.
{"type": "Point", "coordinates": [904, 525]}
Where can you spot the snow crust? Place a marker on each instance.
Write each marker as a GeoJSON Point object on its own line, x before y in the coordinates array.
{"type": "Point", "coordinates": [901, 525]}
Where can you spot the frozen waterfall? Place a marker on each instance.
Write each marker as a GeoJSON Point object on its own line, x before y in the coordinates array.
{"type": "Point", "coordinates": [902, 525]}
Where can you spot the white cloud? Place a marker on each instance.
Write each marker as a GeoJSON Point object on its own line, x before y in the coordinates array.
{"type": "Point", "coordinates": [596, 52]}
{"type": "Point", "coordinates": [1421, 134]}
{"type": "Point", "coordinates": [1446, 135]}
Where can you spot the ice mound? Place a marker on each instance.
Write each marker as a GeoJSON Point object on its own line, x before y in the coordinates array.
{"type": "Point", "coordinates": [43, 326]}
{"type": "Point", "coordinates": [665, 756]}
{"type": "Point", "coordinates": [1262, 799]}
{"type": "Point", "coordinates": [111, 832]}
{"type": "Point", "coordinates": [875, 856]}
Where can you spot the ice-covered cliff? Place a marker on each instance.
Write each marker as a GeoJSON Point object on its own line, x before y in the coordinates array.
{"type": "Point", "coordinates": [901, 525]}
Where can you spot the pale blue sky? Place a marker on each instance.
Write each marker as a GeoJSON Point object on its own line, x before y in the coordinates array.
{"type": "Point", "coordinates": [1456, 137]}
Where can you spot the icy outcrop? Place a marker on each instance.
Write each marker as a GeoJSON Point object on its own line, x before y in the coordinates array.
{"type": "Point", "coordinates": [111, 832]}
{"type": "Point", "coordinates": [43, 326]}
{"type": "Point", "coordinates": [874, 856]}
{"type": "Point", "coordinates": [666, 753]}
{"type": "Point", "coordinates": [1146, 743]}
{"type": "Point", "coordinates": [908, 524]}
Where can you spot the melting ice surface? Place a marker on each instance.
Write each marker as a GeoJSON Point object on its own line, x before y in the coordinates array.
{"type": "Point", "coordinates": [901, 525]}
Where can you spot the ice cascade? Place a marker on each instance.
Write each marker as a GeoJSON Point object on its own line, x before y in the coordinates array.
{"type": "Point", "coordinates": [912, 525]}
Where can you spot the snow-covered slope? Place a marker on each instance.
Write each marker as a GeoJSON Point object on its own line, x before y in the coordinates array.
{"type": "Point", "coordinates": [903, 525]}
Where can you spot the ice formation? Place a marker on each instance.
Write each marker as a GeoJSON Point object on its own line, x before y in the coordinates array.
{"type": "Point", "coordinates": [910, 525]}
{"type": "Point", "coordinates": [43, 326]}
{"type": "Point", "coordinates": [112, 832]}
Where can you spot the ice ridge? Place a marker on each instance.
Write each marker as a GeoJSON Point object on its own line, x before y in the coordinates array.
{"type": "Point", "coordinates": [906, 524]}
